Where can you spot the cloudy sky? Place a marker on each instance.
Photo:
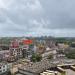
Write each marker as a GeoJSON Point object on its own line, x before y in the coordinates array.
{"type": "Point", "coordinates": [37, 17]}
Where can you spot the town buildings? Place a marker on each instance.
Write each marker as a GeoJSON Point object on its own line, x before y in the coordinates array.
{"type": "Point", "coordinates": [44, 65]}
{"type": "Point", "coordinates": [21, 48]}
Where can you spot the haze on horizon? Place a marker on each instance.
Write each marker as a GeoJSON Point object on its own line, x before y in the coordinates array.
{"type": "Point", "coordinates": [37, 18]}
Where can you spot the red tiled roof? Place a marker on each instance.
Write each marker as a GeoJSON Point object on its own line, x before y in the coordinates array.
{"type": "Point", "coordinates": [27, 42]}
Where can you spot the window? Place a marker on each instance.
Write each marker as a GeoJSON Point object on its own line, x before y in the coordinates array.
{"type": "Point", "coordinates": [3, 66]}
{"type": "Point", "coordinates": [0, 71]}
{"type": "Point", "coordinates": [3, 70]}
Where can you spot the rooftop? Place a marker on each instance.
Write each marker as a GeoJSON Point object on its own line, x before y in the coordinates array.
{"type": "Point", "coordinates": [3, 63]}
{"type": "Point", "coordinates": [45, 64]}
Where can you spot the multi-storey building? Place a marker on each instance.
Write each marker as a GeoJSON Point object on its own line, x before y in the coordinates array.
{"type": "Point", "coordinates": [15, 50]}
{"type": "Point", "coordinates": [21, 48]}
{"type": "Point", "coordinates": [4, 54]}
{"type": "Point", "coordinates": [4, 68]}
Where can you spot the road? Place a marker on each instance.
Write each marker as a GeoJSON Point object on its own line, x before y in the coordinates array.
{"type": "Point", "coordinates": [70, 72]}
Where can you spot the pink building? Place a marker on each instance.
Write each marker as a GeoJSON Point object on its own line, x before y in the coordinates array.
{"type": "Point", "coordinates": [4, 54]}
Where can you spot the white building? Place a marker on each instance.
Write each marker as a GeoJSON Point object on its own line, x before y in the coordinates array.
{"type": "Point", "coordinates": [4, 67]}
{"type": "Point", "coordinates": [17, 52]}
{"type": "Point", "coordinates": [50, 51]}
{"type": "Point", "coordinates": [48, 72]}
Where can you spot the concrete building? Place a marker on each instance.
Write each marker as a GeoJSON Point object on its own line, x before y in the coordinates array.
{"type": "Point", "coordinates": [15, 50]}
{"type": "Point", "coordinates": [49, 51]}
{"type": "Point", "coordinates": [62, 46]}
{"type": "Point", "coordinates": [21, 48]}
{"type": "Point", "coordinates": [4, 54]}
{"type": "Point", "coordinates": [25, 51]}
{"type": "Point", "coordinates": [35, 68]}
{"type": "Point", "coordinates": [43, 65]}
{"type": "Point", "coordinates": [4, 68]}
{"type": "Point", "coordinates": [48, 72]}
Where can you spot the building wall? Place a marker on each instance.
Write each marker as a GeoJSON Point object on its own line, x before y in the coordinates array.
{"type": "Point", "coordinates": [27, 73]}
{"type": "Point", "coordinates": [4, 68]}
{"type": "Point", "coordinates": [17, 52]}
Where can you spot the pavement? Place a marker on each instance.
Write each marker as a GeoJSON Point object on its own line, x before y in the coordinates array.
{"type": "Point", "coordinates": [70, 72]}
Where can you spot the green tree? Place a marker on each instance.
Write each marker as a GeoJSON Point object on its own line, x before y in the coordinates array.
{"type": "Point", "coordinates": [70, 54]}
{"type": "Point", "coordinates": [50, 56]}
{"type": "Point", "coordinates": [9, 73]}
{"type": "Point", "coordinates": [36, 58]}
